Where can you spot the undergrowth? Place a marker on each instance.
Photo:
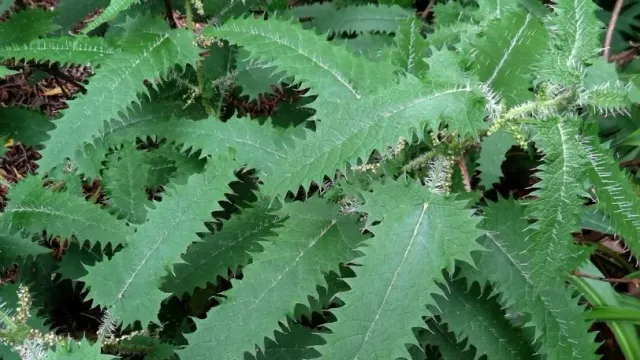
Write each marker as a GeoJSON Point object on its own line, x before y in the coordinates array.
{"type": "Point", "coordinates": [352, 215]}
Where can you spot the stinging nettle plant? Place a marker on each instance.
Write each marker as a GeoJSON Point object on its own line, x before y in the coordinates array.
{"type": "Point", "coordinates": [343, 226]}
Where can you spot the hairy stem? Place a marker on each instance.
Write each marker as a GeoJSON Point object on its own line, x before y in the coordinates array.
{"type": "Point", "coordinates": [189, 13]}
{"type": "Point", "coordinates": [465, 174]}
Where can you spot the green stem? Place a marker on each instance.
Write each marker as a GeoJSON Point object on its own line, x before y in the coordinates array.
{"type": "Point", "coordinates": [601, 295]}
{"type": "Point", "coordinates": [189, 13]}
{"type": "Point", "coordinates": [205, 100]}
{"type": "Point", "coordinates": [530, 107]}
{"type": "Point", "coordinates": [610, 313]}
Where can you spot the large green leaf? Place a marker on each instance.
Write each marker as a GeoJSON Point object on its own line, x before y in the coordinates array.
{"type": "Point", "coordinates": [26, 26]}
{"type": "Point", "coordinates": [319, 64]}
{"type": "Point", "coordinates": [421, 234]}
{"type": "Point", "coordinates": [492, 154]}
{"type": "Point", "coordinates": [14, 246]}
{"type": "Point", "coordinates": [223, 250]}
{"type": "Point", "coordinates": [445, 342]}
{"type": "Point", "coordinates": [363, 18]}
{"type": "Point", "coordinates": [147, 57]}
{"type": "Point", "coordinates": [615, 194]}
{"type": "Point", "coordinates": [64, 50]}
{"type": "Point", "coordinates": [315, 240]}
{"type": "Point", "coordinates": [33, 207]}
{"type": "Point", "coordinates": [255, 77]}
{"type": "Point", "coordinates": [24, 125]}
{"type": "Point", "coordinates": [473, 314]}
{"type": "Point", "coordinates": [505, 55]}
{"type": "Point", "coordinates": [115, 6]}
{"type": "Point", "coordinates": [411, 47]}
{"type": "Point", "coordinates": [510, 265]}
{"type": "Point", "coordinates": [352, 129]}
{"type": "Point", "coordinates": [558, 207]}
{"type": "Point", "coordinates": [576, 39]}
{"type": "Point", "coordinates": [129, 282]}
{"type": "Point", "coordinates": [125, 180]}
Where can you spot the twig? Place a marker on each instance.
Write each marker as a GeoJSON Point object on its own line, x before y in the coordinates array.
{"type": "Point", "coordinates": [64, 91]}
{"type": "Point", "coordinates": [426, 11]}
{"type": "Point", "coordinates": [609, 280]}
{"type": "Point", "coordinates": [612, 25]}
{"type": "Point", "coordinates": [626, 56]}
{"type": "Point", "coordinates": [630, 163]}
{"type": "Point", "coordinates": [465, 173]}
{"type": "Point", "coordinates": [55, 72]}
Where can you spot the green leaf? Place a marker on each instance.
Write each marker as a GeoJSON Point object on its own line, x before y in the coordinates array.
{"type": "Point", "coordinates": [475, 315]}
{"type": "Point", "coordinates": [360, 19]}
{"type": "Point", "coordinates": [15, 246]}
{"type": "Point", "coordinates": [594, 219]}
{"type": "Point", "coordinates": [223, 250]}
{"type": "Point", "coordinates": [505, 55]}
{"type": "Point", "coordinates": [125, 180]}
{"type": "Point", "coordinates": [24, 125]}
{"type": "Point", "coordinates": [293, 343]}
{"type": "Point", "coordinates": [559, 207]}
{"type": "Point", "coordinates": [447, 345]}
{"type": "Point", "coordinates": [368, 45]}
{"type": "Point", "coordinates": [615, 194]}
{"type": "Point", "coordinates": [64, 50]}
{"type": "Point", "coordinates": [511, 264]}
{"type": "Point", "coordinates": [255, 77]}
{"type": "Point", "coordinates": [449, 13]}
{"type": "Point", "coordinates": [72, 265]}
{"type": "Point", "coordinates": [225, 9]}
{"type": "Point", "coordinates": [260, 146]}
{"type": "Point", "coordinates": [421, 234]}
{"type": "Point", "coordinates": [115, 6]}
{"type": "Point", "coordinates": [71, 12]}
{"type": "Point", "coordinates": [319, 64]}
{"type": "Point", "coordinates": [316, 9]}
{"type": "Point", "coordinates": [602, 90]}
{"type": "Point", "coordinates": [489, 9]}
{"type": "Point", "coordinates": [4, 72]}
{"type": "Point", "coordinates": [575, 39]}
{"type": "Point", "coordinates": [147, 57]}
{"type": "Point", "coordinates": [71, 350]}
{"type": "Point", "coordinates": [33, 207]}
{"type": "Point", "coordinates": [25, 26]}
{"type": "Point", "coordinates": [127, 129]}
{"type": "Point", "coordinates": [314, 241]}
{"type": "Point", "coordinates": [352, 129]}
{"type": "Point", "coordinates": [167, 164]}
{"type": "Point", "coordinates": [492, 154]}
{"type": "Point", "coordinates": [410, 49]}
{"type": "Point", "coordinates": [128, 283]}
